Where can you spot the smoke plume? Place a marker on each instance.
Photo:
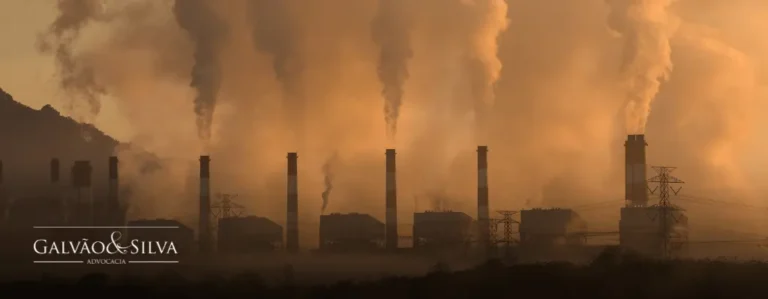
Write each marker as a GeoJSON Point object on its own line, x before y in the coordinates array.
{"type": "Point", "coordinates": [205, 30]}
{"type": "Point", "coordinates": [484, 65]}
{"type": "Point", "coordinates": [78, 81]}
{"type": "Point", "coordinates": [390, 31]}
{"type": "Point", "coordinates": [646, 27]}
{"type": "Point", "coordinates": [275, 32]}
{"type": "Point", "coordinates": [328, 174]}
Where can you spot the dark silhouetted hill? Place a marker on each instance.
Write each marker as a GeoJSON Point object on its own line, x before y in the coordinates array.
{"type": "Point", "coordinates": [30, 138]}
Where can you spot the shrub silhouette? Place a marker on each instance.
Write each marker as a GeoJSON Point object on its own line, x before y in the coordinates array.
{"type": "Point", "coordinates": [615, 274]}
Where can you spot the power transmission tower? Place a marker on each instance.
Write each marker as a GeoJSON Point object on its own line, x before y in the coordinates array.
{"type": "Point", "coordinates": [225, 207]}
{"type": "Point", "coordinates": [508, 221]}
{"type": "Point", "coordinates": [666, 210]}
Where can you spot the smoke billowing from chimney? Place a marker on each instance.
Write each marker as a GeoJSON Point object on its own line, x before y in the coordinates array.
{"type": "Point", "coordinates": [390, 31]}
{"type": "Point", "coordinates": [484, 64]}
{"type": "Point", "coordinates": [275, 32]}
{"type": "Point", "coordinates": [328, 173]}
{"type": "Point", "coordinates": [76, 79]}
{"type": "Point", "coordinates": [205, 30]}
{"type": "Point", "coordinates": [646, 29]}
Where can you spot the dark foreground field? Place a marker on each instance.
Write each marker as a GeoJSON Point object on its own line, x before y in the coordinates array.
{"type": "Point", "coordinates": [612, 275]}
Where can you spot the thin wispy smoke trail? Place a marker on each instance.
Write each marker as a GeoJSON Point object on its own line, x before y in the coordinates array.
{"type": "Point", "coordinates": [646, 28]}
{"type": "Point", "coordinates": [328, 174]}
{"type": "Point", "coordinates": [390, 31]}
{"type": "Point", "coordinates": [205, 30]}
{"type": "Point", "coordinates": [76, 79]}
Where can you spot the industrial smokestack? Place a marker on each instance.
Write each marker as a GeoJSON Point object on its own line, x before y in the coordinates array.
{"type": "Point", "coordinates": [483, 213]}
{"type": "Point", "coordinates": [113, 205]}
{"type": "Point", "coordinates": [292, 221]}
{"type": "Point", "coordinates": [391, 184]}
{"type": "Point", "coordinates": [204, 221]}
{"type": "Point", "coordinates": [81, 181]}
{"type": "Point", "coordinates": [636, 192]}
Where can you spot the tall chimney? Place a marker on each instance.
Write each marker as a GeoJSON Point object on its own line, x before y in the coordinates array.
{"type": "Point", "coordinates": [292, 221]}
{"type": "Point", "coordinates": [113, 205]}
{"type": "Point", "coordinates": [483, 212]}
{"type": "Point", "coordinates": [204, 221]}
{"type": "Point", "coordinates": [391, 216]}
{"type": "Point", "coordinates": [636, 191]}
{"type": "Point", "coordinates": [81, 181]}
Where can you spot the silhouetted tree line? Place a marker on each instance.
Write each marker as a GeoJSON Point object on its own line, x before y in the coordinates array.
{"type": "Point", "coordinates": [613, 274]}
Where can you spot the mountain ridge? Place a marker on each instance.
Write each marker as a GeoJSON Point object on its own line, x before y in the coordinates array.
{"type": "Point", "coordinates": [30, 138]}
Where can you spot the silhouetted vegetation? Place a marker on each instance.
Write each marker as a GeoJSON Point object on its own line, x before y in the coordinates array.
{"type": "Point", "coordinates": [614, 274]}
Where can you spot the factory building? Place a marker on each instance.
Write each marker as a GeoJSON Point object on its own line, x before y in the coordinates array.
{"type": "Point", "coordinates": [240, 235]}
{"type": "Point", "coordinates": [551, 227]}
{"type": "Point", "coordinates": [444, 230]}
{"type": "Point", "coordinates": [351, 232]}
{"type": "Point", "coordinates": [162, 230]}
{"type": "Point", "coordinates": [551, 234]}
{"type": "Point", "coordinates": [647, 229]}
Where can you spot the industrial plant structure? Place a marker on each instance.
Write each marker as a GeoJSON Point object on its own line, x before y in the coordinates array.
{"type": "Point", "coordinates": [251, 234]}
{"type": "Point", "coordinates": [442, 230]}
{"type": "Point", "coordinates": [546, 228]}
{"type": "Point", "coordinates": [351, 233]}
{"type": "Point", "coordinates": [34, 215]}
{"type": "Point", "coordinates": [647, 227]}
{"type": "Point", "coordinates": [643, 230]}
{"type": "Point", "coordinates": [656, 230]}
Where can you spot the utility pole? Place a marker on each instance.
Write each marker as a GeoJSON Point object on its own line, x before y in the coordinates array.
{"type": "Point", "coordinates": [665, 208]}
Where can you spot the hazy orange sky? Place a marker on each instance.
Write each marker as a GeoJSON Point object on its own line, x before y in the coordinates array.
{"type": "Point", "coordinates": [27, 74]}
{"type": "Point", "coordinates": [565, 82]}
